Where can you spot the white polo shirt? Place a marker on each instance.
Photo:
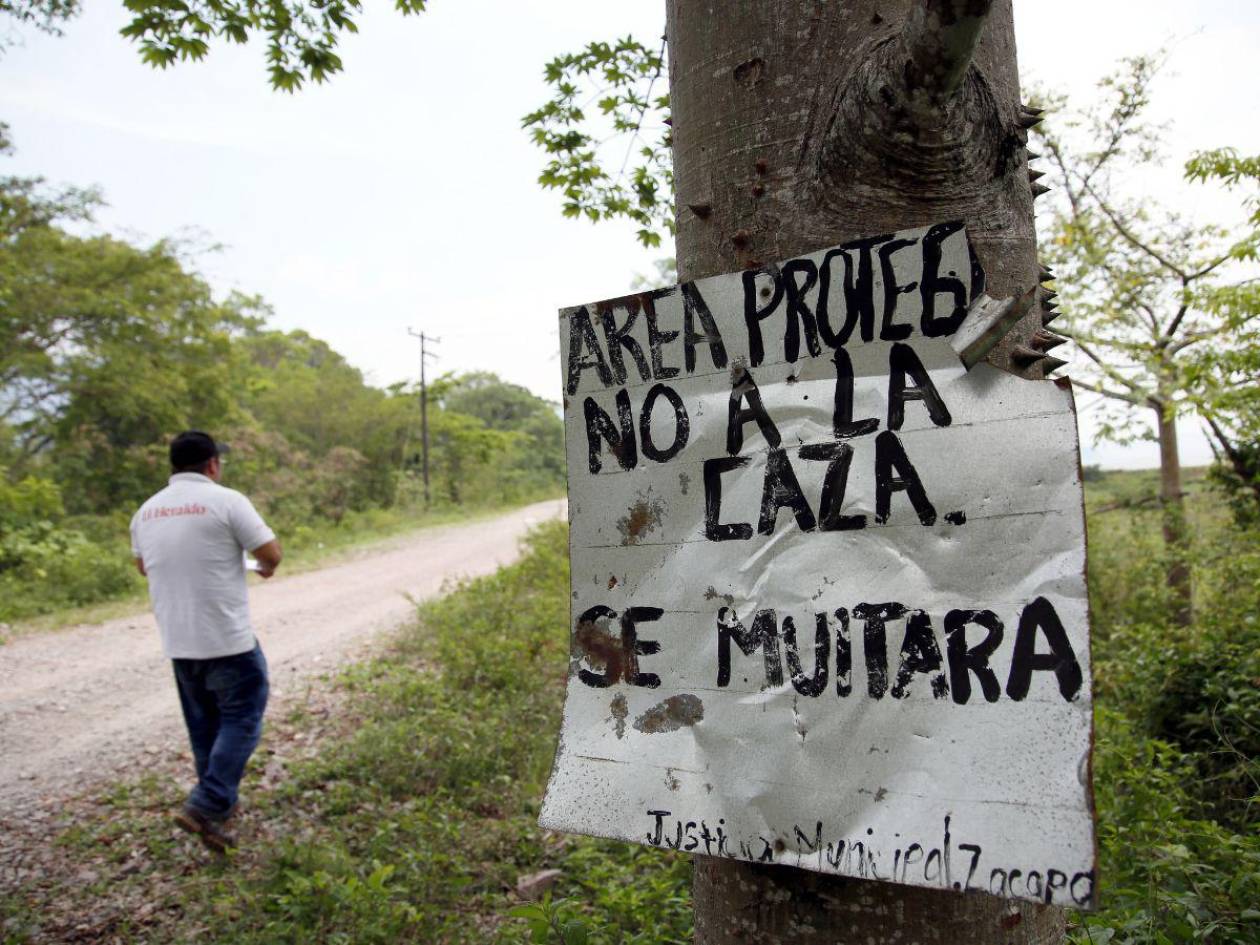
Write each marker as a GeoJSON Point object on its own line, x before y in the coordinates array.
{"type": "Point", "coordinates": [191, 537]}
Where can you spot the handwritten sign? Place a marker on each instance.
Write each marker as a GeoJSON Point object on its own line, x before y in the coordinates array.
{"type": "Point", "coordinates": [828, 598]}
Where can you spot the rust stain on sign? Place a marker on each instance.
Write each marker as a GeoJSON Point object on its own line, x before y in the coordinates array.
{"type": "Point", "coordinates": [619, 711]}
{"type": "Point", "coordinates": [601, 646]}
{"type": "Point", "coordinates": [642, 518]}
{"type": "Point", "coordinates": [674, 713]}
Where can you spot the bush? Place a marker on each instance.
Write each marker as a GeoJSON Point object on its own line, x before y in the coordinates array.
{"type": "Point", "coordinates": [1167, 874]}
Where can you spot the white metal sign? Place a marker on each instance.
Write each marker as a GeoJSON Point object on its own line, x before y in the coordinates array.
{"type": "Point", "coordinates": [829, 607]}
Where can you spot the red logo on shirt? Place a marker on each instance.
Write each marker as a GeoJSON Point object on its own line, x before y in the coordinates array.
{"type": "Point", "coordinates": [168, 511]}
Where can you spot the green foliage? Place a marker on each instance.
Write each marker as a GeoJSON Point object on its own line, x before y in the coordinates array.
{"type": "Point", "coordinates": [301, 37]}
{"type": "Point", "coordinates": [1177, 737]}
{"type": "Point", "coordinates": [107, 349]}
{"type": "Point", "coordinates": [629, 129]}
{"type": "Point", "coordinates": [43, 564]}
{"type": "Point", "coordinates": [414, 826]}
{"type": "Point", "coordinates": [416, 822]}
{"type": "Point", "coordinates": [1168, 874]}
{"type": "Point", "coordinates": [1165, 310]}
{"type": "Point", "coordinates": [529, 448]}
{"type": "Point", "coordinates": [45, 15]}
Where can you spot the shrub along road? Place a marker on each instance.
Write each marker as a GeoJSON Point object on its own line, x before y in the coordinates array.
{"type": "Point", "coordinates": [92, 702]}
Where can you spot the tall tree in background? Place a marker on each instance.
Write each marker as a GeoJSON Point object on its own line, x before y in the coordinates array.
{"type": "Point", "coordinates": [105, 347]}
{"type": "Point", "coordinates": [1161, 307]}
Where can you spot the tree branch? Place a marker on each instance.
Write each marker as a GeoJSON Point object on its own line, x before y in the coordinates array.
{"type": "Point", "coordinates": [1108, 370]}
{"type": "Point", "coordinates": [1236, 459]}
{"type": "Point", "coordinates": [1113, 394]}
{"type": "Point", "coordinates": [1176, 321]}
{"type": "Point", "coordinates": [1132, 238]}
{"type": "Point", "coordinates": [936, 46]}
{"type": "Point", "coordinates": [1194, 337]}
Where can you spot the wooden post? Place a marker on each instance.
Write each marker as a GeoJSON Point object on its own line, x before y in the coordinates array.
{"type": "Point", "coordinates": [798, 125]}
{"type": "Point", "coordinates": [425, 354]}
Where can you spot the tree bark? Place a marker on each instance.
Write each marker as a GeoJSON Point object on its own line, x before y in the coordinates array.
{"type": "Point", "coordinates": [1172, 500]}
{"type": "Point", "coordinates": [800, 125]}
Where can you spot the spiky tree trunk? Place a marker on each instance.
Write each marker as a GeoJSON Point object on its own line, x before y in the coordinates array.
{"type": "Point", "coordinates": [800, 125]}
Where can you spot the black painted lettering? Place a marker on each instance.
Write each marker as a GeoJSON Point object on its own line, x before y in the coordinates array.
{"type": "Point", "coordinates": [903, 363]}
{"type": "Point", "coordinates": [695, 308]}
{"type": "Point", "coordinates": [620, 657]}
{"type": "Point", "coordinates": [755, 313]}
{"type": "Point", "coordinates": [781, 488]}
{"type": "Point", "coordinates": [589, 623]}
{"type": "Point", "coordinates": [584, 352]}
{"type": "Point", "coordinates": [682, 424]}
{"type": "Point", "coordinates": [814, 683]}
{"type": "Point", "coordinates": [875, 643]}
{"type": "Point", "coordinates": [714, 528]}
{"type": "Point", "coordinates": [974, 850]}
{"type": "Point", "coordinates": [1033, 889]}
{"type": "Point", "coordinates": [654, 835]}
{"type": "Point", "coordinates": [763, 635]}
{"type": "Point", "coordinates": [1056, 880]}
{"type": "Point", "coordinates": [844, 654]}
{"type": "Point", "coordinates": [657, 340]}
{"type": "Point", "coordinates": [599, 426]}
{"type": "Point", "coordinates": [964, 660]}
{"type": "Point", "coordinates": [933, 859]}
{"type": "Point", "coordinates": [934, 284]}
{"type": "Point", "coordinates": [1061, 660]}
{"type": "Point", "coordinates": [839, 457]}
{"type": "Point", "coordinates": [888, 330]}
{"type": "Point", "coordinates": [859, 288]}
{"type": "Point", "coordinates": [920, 653]}
{"type": "Point", "coordinates": [707, 837]}
{"type": "Point", "coordinates": [619, 338]}
{"type": "Point", "coordinates": [907, 861]}
{"type": "Point", "coordinates": [1082, 898]}
{"type": "Point", "coordinates": [822, 315]}
{"type": "Point", "coordinates": [890, 458]}
{"type": "Point", "coordinates": [797, 315]}
{"type": "Point", "coordinates": [633, 647]}
{"type": "Point", "coordinates": [743, 389]}
{"type": "Point", "coordinates": [803, 843]}
{"type": "Point", "coordinates": [843, 425]}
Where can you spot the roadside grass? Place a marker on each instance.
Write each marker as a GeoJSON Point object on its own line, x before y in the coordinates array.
{"type": "Point", "coordinates": [306, 547]}
{"type": "Point", "coordinates": [414, 818]}
{"type": "Point", "coordinates": [413, 821]}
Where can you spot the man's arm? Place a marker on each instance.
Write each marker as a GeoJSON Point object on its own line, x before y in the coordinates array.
{"type": "Point", "coordinates": [140, 567]}
{"type": "Point", "coordinates": [268, 555]}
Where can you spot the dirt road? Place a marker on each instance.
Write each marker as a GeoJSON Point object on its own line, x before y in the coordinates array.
{"type": "Point", "coordinates": [92, 702]}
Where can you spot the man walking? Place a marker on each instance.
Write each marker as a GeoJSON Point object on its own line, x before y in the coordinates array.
{"type": "Point", "coordinates": [189, 541]}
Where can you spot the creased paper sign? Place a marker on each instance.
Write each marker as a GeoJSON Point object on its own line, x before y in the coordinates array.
{"type": "Point", "coordinates": [828, 600]}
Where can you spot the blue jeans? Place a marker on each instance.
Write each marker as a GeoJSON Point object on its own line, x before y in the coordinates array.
{"type": "Point", "coordinates": [223, 701]}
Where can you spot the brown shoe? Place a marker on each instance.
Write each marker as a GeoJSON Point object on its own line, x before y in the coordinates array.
{"type": "Point", "coordinates": [211, 832]}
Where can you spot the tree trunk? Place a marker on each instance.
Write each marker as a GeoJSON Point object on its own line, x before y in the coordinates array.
{"type": "Point", "coordinates": [799, 125]}
{"type": "Point", "coordinates": [1172, 501]}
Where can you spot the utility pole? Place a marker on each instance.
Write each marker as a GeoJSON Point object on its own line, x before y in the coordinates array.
{"type": "Point", "coordinates": [425, 354]}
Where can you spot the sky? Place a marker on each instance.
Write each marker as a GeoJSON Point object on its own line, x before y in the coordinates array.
{"type": "Point", "coordinates": [402, 193]}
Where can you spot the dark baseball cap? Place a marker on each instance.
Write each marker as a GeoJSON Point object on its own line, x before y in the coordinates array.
{"type": "Point", "coordinates": [192, 448]}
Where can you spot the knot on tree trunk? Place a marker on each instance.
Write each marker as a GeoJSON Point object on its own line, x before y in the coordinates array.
{"type": "Point", "coordinates": [884, 145]}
